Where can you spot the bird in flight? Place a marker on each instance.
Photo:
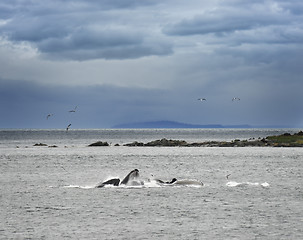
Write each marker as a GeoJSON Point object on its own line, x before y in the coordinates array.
{"type": "Point", "coordinates": [68, 126]}
{"type": "Point", "coordinates": [74, 110]}
{"type": "Point", "coordinates": [202, 99]}
{"type": "Point", "coordinates": [49, 115]}
{"type": "Point", "coordinates": [236, 98]}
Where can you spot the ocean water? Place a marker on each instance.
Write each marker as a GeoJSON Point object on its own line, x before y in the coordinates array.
{"type": "Point", "coordinates": [49, 192]}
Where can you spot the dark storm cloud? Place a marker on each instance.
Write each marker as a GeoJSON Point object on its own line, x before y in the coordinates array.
{"type": "Point", "coordinates": [81, 30]}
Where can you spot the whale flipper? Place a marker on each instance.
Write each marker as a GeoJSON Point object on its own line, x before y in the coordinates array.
{"type": "Point", "coordinates": [114, 182]}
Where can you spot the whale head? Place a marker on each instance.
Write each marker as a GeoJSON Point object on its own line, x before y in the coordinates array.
{"type": "Point", "coordinates": [131, 176]}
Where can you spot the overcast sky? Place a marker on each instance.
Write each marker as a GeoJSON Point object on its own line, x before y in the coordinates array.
{"type": "Point", "coordinates": [124, 61]}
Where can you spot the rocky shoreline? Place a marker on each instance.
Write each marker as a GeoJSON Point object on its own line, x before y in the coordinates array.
{"type": "Point", "coordinates": [284, 140]}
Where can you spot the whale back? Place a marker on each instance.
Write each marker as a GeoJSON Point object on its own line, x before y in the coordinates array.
{"type": "Point", "coordinates": [132, 175]}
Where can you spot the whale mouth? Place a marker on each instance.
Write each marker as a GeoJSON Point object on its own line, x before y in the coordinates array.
{"type": "Point", "coordinates": [135, 173]}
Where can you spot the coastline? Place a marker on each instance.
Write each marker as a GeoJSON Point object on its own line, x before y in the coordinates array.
{"type": "Point", "coordinates": [284, 140]}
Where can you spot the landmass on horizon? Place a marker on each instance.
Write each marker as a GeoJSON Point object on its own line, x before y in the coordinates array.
{"type": "Point", "coordinates": [174, 124]}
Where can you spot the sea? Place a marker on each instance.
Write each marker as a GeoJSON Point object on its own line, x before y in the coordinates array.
{"type": "Point", "coordinates": [48, 190]}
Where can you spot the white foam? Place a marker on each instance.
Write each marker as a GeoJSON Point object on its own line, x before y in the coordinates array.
{"type": "Point", "coordinates": [235, 184]}
{"type": "Point", "coordinates": [78, 186]}
{"type": "Point", "coordinates": [265, 184]}
{"type": "Point", "coordinates": [232, 184]}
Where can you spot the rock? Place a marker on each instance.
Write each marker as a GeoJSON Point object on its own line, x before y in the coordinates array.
{"type": "Point", "coordinates": [40, 145]}
{"type": "Point", "coordinates": [166, 143]}
{"type": "Point", "coordinates": [286, 134]}
{"type": "Point", "coordinates": [99, 144]}
{"type": "Point", "coordinates": [134, 144]}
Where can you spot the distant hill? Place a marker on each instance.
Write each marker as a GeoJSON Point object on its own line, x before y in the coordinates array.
{"type": "Point", "coordinates": [172, 124]}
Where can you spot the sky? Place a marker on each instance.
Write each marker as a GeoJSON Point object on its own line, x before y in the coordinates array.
{"type": "Point", "coordinates": [125, 61]}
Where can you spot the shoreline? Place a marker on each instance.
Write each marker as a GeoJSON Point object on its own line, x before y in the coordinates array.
{"type": "Point", "coordinates": [284, 140]}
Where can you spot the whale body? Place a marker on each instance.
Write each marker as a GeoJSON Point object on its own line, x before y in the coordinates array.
{"type": "Point", "coordinates": [188, 182]}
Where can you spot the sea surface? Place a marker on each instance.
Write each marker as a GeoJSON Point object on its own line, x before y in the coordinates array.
{"type": "Point", "coordinates": [48, 192]}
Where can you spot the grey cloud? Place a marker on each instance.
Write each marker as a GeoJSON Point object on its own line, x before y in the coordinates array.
{"type": "Point", "coordinates": [294, 7]}
{"type": "Point", "coordinates": [85, 39]}
{"type": "Point", "coordinates": [277, 35]}
{"type": "Point", "coordinates": [81, 30]}
{"type": "Point", "coordinates": [123, 4]}
{"type": "Point", "coordinates": [34, 29]}
{"type": "Point", "coordinates": [106, 44]}
{"type": "Point", "coordinates": [223, 23]}
{"type": "Point", "coordinates": [42, 7]}
{"type": "Point", "coordinates": [243, 19]}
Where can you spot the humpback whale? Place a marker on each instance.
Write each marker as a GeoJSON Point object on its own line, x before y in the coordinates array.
{"type": "Point", "coordinates": [131, 180]}
{"type": "Point", "coordinates": [116, 181]}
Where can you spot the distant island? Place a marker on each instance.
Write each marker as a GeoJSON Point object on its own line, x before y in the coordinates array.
{"type": "Point", "coordinates": [173, 124]}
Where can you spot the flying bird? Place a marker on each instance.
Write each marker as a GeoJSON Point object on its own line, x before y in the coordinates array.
{"type": "Point", "coordinates": [236, 98]}
{"type": "Point", "coordinates": [49, 115]}
{"type": "Point", "coordinates": [74, 110]}
{"type": "Point", "coordinates": [227, 176]}
{"type": "Point", "coordinates": [202, 99]}
{"type": "Point", "coordinates": [68, 126]}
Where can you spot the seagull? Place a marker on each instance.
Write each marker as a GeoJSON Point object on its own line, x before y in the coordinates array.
{"type": "Point", "coordinates": [68, 126]}
{"type": "Point", "coordinates": [202, 99]}
{"type": "Point", "coordinates": [228, 175]}
{"type": "Point", "coordinates": [49, 115]}
{"type": "Point", "coordinates": [236, 98]}
{"type": "Point", "coordinates": [74, 110]}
